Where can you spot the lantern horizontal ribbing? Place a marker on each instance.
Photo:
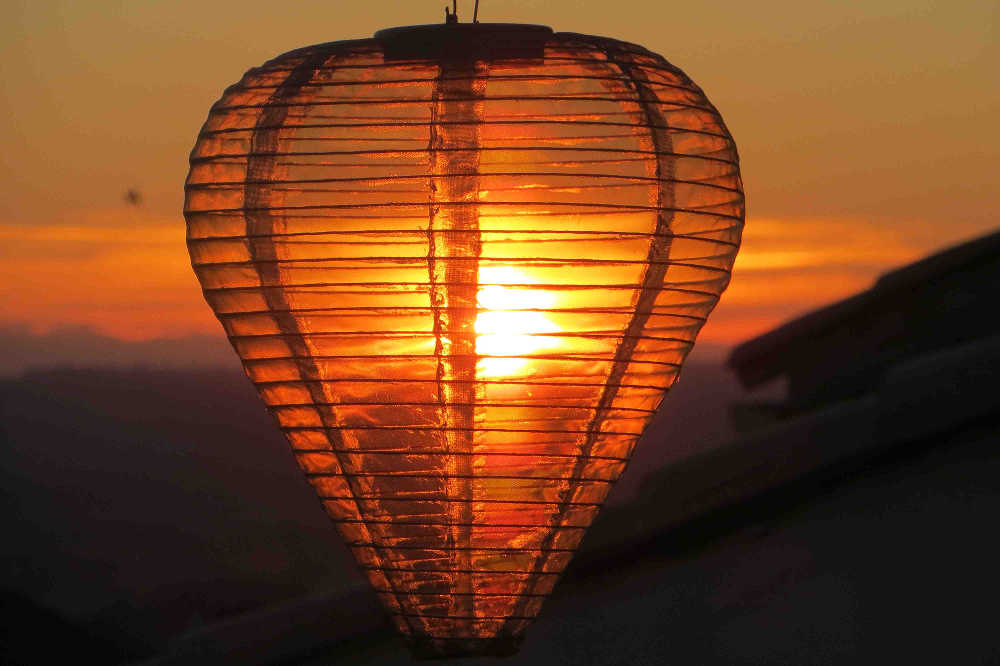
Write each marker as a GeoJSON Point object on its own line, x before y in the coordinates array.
{"type": "Point", "coordinates": [463, 264]}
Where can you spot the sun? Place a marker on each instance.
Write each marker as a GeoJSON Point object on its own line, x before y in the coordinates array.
{"type": "Point", "coordinates": [513, 324]}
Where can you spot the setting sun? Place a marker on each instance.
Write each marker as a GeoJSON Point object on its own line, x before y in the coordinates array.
{"type": "Point", "coordinates": [512, 327]}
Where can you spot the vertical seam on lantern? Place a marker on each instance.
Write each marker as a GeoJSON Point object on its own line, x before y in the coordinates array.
{"type": "Point", "coordinates": [435, 295]}
{"type": "Point", "coordinates": [469, 247]}
{"type": "Point", "coordinates": [653, 279]}
{"type": "Point", "coordinates": [659, 248]}
{"type": "Point", "coordinates": [436, 299]}
{"type": "Point", "coordinates": [257, 220]}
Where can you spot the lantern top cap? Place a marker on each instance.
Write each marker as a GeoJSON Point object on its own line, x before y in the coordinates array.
{"type": "Point", "coordinates": [464, 40]}
{"type": "Point", "coordinates": [445, 30]}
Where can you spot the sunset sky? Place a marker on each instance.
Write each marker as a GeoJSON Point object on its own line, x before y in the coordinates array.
{"type": "Point", "coordinates": [869, 134]}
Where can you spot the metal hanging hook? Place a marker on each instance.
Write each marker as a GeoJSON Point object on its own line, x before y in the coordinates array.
{"type": "Point", "coordinates": [452, 15]}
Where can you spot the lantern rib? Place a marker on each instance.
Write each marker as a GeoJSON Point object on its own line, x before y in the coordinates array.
{"type": "Point", "coordinates": [321, 357]}
{"type": "Point", "coordinates": [560, 189]}
{"type": "Point", "coordinates": [398, 101]}
{"type": "Point", "coordinates": [325, 357]}
{"type": "Point", "coordinates": [609, 235]}
{"type": "Point", "coordinates": [498, 78]}
{"type": "Point", "coordinates": [491, 123]}
{"type": "Point", "coordinates": [533, 261]}
{"type": "Point", "coordinates": [259, 220]}
{"type": "Point", "coordinates": [483, 149]}
{"type": "Point", "coordinates": [390, 120]}
{"type": "Point", "coordinates": [421, 333]}
{"type": "Point", "coordinates": [367, 311]}
{"type": "Point", "coordinates": [485, 403]}
{"type": "Point", "coordinates": [465, 644]}
{"type": "Point", "coordinates": [462, 204]}
{"type": "Point", "coordinates": [234, 158]}
{"type": "Point", "coordinates": [492, 174]}
{"type": "Point", "coordinates": [445, 524]}
{"type": "Point", "coordinates": [426, 334]}
{"type": "Point", "coordinates": [473, 571]}
{"type": "Point", "coordinates": [401, 102]}
{"type": "Point", "coordinates": [467, 617]}
{"type": "Point", "coordinates": [446, 429]}
{"type": "Point", "coordinates": [480, 549]}
{"type": "Point", "coordinates": [652, 281]}
{"type": "Point", "coordinates": [478, 594]}
{"type": "Point", "coordinates": [477, 452]}
{"type": "Point", "coordinates": [484, 500]}
{"type": "Point", "coordinates": [362, 311]}
{"type": "Point", "coordinates": [393, 475]}
{"type": "Point", "coordinates": [553, 286]}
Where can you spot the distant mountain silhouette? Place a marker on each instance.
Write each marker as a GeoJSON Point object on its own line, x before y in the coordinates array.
{"type": "Point", "coordinates": [140, 503]}
{"type": "Point", "coordinates": [79, 346]}
{"type": "Point", "coordinates": [148, 502]}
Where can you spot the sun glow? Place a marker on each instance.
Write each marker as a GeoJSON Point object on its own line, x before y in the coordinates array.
{"type": "Point", "coordinates": [513, 325]}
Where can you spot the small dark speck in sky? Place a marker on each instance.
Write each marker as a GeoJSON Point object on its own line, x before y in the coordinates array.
{"type": "Point", "coordinates": [132, 197]}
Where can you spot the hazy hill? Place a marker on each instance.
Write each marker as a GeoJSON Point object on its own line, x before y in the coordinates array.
{"type": "Point", "coordinates": [139, 503]}
{"type": "Point", "coordinates": [79, 346]}
{"type": "Point", "coordinates": [147, 502]}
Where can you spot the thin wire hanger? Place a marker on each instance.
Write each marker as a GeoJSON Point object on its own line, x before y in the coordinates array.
{"type": "Point", "coordinates": [452, 16]}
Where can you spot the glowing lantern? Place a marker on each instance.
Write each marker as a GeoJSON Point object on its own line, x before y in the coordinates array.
{"type": "Point", "coordinates": [462, 264]}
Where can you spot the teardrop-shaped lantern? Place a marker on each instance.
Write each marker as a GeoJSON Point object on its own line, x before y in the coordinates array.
{"type": "Point", "coordinates": [463, 264]}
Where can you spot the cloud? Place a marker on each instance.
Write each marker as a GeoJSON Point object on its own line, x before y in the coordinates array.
{"type": "Point", "coordinates": [96, 271]}
{"type": "Point", "coordinates": [123, 274]}
{"type": "Point", "coordinates": [787, 267]}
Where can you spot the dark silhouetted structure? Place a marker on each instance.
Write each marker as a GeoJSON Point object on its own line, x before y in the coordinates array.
{"type": "Point", "coordinates": [846, 349]}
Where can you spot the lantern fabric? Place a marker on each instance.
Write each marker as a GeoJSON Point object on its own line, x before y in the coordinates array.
{"type": "Point", "coordinates": [463, 264]}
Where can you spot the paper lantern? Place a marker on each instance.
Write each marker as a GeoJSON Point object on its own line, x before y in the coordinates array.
{"type": "Point", "coordinates": [462, 264]}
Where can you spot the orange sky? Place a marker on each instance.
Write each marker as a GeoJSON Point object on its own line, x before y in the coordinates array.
{"type": "Point", "coordinates": [868, 133]}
